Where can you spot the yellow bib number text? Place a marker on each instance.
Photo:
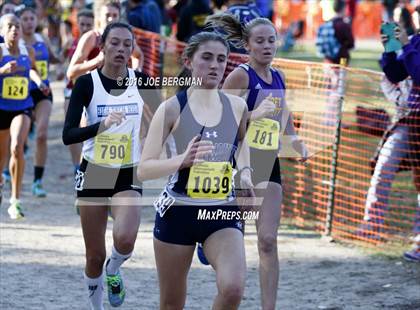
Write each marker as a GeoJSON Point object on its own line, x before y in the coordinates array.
{"type": "Point", "coordinates": [112, 149]}
{"type": "Point", "coordinates": [210, 180]}
{"type": "Point", "coordinates": [263, 134]}
{"type": "Point", "coordinates": [42, 68]}
{"type": "Point", "coordinates": [15, 87]}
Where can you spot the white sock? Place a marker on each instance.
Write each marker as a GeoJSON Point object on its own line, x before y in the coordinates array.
{"type": "Point", "coordinates": [116, 260]}
{"type": "Point", "coordinates": [13, 200]}
{"type": "Point", "coordinates": [95, 289]}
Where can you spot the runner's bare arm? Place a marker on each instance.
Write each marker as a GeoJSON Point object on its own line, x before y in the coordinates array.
{"type": "Point", "coordinates": [240, 110]}
{"type": "Point", "coordinates": [33, 73]}
{"type": "Point", "coordinates": [54, 59]}
{"type": "Point", "coordinates": [4, 69]}
{"type": "Point", "coordinates": [236, 82]}
{"type": "Point", "coordinates": [79, 64]}
{"type": "Point", "coordinates": [137, 57]}
{"type": "Point", "coordinates": [151, 166]}
{"type": "Point", "coordinates": [242, 155]}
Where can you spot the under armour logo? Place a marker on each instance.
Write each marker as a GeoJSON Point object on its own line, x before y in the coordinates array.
{"type": "Point", "coordinates": [213, 134]}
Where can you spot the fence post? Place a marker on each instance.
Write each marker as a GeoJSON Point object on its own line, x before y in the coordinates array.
{"type": "Point", "coordinates": [162, 45]}
{"type": "Point", "coordinates": [336, 146]}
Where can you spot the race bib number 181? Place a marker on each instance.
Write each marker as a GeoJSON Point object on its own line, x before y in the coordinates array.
{"type": "Point", "coordinates": [263, 134]}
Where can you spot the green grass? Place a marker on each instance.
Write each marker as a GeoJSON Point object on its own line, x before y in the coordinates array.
{"type": "Point", "coordinates": [364, 57]}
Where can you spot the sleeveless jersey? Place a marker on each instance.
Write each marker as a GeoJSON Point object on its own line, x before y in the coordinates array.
{"type": "Point", "coordinates": [96, 50]}
{"type": "Point", "coordinates": [69, 83]}
{"type": "Point", "coordinates": [209, 183]}
{"type": "Point", "coordinates": [263, 134]}
{"type": "Point", "coordinates": [118, 146]}
{"type": "Point", "coordinates": [15, 86]}
{"type": "Point", "coordinates": [42, 58]}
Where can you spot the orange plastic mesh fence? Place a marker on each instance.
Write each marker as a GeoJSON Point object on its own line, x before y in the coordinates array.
{"type": "Point", "coordinates": [314, 93]}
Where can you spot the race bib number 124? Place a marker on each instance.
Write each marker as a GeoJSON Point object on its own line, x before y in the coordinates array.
{"type": "Point", "coordinates": [15, 87]}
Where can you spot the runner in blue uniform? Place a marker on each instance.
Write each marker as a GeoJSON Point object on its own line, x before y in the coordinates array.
{"type": "Point", "coordinates": [16, 62]}
{"type": "Point", "coordinates": [42, 103]}
{"type": "Point", "coordinates": [270, 124]}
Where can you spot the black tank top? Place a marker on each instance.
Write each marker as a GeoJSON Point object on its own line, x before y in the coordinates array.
{"type": "Point", "coordinates": [224, 137]}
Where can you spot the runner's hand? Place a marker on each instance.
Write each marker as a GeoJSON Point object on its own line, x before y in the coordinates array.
{"type": "Point", "coordinates": [384, 39]}
{"type": "Point", "coordinates": [44, 89]}
{"type": "Point", "coordinates": [195, 151]}
{"type": "Point", "coordinates": [10, 67]}
{"type": "Point", "coordinates": [401, 35]}
{"type": "Point", "coordinates": [266, 108]}
{"type": "Point", "coordinates": [300, 147]}
{"type": "Point", "coordinates": [246, 194]}
{"type": "Point", "coordinates": [114, 118]}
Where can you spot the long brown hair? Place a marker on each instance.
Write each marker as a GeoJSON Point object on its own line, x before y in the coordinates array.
{"type": "Point", "coordinates": [236, 32]}
{"type": "Point", "coordinates": [193, 44]}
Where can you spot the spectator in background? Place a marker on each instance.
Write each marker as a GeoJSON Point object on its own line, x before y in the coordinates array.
{"type": "Point", "coordinates": [351, 9]}
{"type": "Point", "coordinates": [192, 19]}
{"type": "Point", "coordinates": [218, 4]}
{"type": "Point", "coordinates": [244, 10]}
{"type": "Point", "coordinates": [175, 11]}
{"type": "Point", "coordinates": [389, 7]}
{"type": "Point", "coordinates": [265, 7]}
{"type": "Point", "coordinates": [334, 41]}
{"type": "Point", "coordinates": [145, 14]}
{"type": "Point", "coordinates": [397, 69]}
{"type": "Point", "coordinates": [406, 21]}
{"type": "Point", "coordinates": [335, 37]}
{"type": "Point", "coordinates": [390, 158]}
{"type": "Point", "coordinates": [166, 19]}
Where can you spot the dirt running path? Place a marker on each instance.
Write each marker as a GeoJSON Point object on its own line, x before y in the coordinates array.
{"type": "Point", "coordinates": [42, 258]}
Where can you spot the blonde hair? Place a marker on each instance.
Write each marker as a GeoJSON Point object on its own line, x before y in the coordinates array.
{"type": "Point", "coordinates": [236, 32]}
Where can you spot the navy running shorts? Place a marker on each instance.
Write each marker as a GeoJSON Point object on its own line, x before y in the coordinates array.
{"type": "Point", "coordinates": [181, 223]}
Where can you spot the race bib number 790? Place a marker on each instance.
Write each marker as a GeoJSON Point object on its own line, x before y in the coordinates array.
{"type": "Point", "coordinates": [112, 149]}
